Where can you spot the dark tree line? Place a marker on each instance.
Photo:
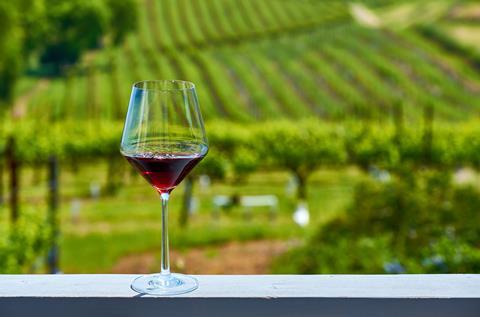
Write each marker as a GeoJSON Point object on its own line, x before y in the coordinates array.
{"type": "Point", "coordinates": [51, 35]}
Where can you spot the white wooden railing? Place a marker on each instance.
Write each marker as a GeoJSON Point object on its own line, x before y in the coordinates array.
{"type": "Point", "coordinates": [245, 296]}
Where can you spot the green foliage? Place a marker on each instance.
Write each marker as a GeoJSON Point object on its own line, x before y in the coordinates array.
{"type": "Point", "coordinates": [244, 162]}
{"type": "Point", "coordinates": [312, 72]}
{"type": "Point", "coordinates": [73, 27]}
{"type": "Point", "coordinates": [10, 39]}
{"type": "Point", "coordinates": [369, 144]}
{"type": "Point", "coordinates": [419, 223]}
{"type": "Point", "coordinates": [213, 165]}
{"type": "Point", "coordinates": [388, 219]}
{"type": "Point", "coordinates": [23, 242]}
{"type": "Point", "coordinates": [292, 62]}
{"type": "Point", "coordinates": [123, 18]}
{"type": "Point", "coordinates": [233, 145]}
{"type": "Point", "coordinates": [67, 140]}
{"type": "Point", "coordinates": [56, 33]}
{"type": "Point", "coordinates": [34, 25]}
{"type": "Point", "coordinates": [301, 147]}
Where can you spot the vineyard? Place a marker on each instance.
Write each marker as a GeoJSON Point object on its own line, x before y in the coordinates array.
{"type": "Point", "coordinates": [331, 94]}
{"type": "Point", "coordinates": [262, 60]}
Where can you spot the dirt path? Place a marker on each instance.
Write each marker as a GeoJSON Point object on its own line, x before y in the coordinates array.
{"type": "Point", "coordinates": [253, 257]}
{"type": "Point", "coordinates": [20, 107]}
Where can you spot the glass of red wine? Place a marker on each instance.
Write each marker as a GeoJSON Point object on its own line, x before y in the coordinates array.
{"type": "Point", "coordinates": [163, 139]}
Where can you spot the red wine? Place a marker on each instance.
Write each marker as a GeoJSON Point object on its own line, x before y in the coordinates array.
{"type": "Point", "coordinates": [164, 171]}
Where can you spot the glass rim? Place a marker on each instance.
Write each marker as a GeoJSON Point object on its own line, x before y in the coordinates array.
{"type": "Point", "coordinates": [140, 85]}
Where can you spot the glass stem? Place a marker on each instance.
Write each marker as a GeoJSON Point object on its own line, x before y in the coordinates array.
{"type": "Point", "coordinates": [165, 259]}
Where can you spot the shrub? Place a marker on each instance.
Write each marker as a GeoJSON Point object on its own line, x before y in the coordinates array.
{"type": "Point", "coordinates": [416, 223]}
{"type": "Point", "coordinates": [23, 242]}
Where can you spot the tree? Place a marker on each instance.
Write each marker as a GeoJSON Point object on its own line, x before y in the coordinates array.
{"type": "Point", "coordinates": [300, 148]}
{"type": "Point", "coordinates": [56, 33]}
{"type": "Point", "coordinates": [417, 223]}
{"type": "Point", "coordinates": [123, 18]}
{"type": "Point", "coordinates": [73, 27]}
{"type": "Point", "coordinates": [33, 22]}
{"type": "Point", "coordinates": [236, 144]}
{"type": "Point", "coordinates": [373, 145]}
{"type": "Point", "coordinates": [10, 48]}
{"type": "Point", "coordinates": [22, 26]}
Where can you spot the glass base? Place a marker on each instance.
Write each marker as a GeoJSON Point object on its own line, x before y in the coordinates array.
{"type": "Point", "coordinates": [164, 285]}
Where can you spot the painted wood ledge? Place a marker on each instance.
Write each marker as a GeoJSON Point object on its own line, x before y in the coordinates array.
{"type": "Point", "coordinates": [245, 295]}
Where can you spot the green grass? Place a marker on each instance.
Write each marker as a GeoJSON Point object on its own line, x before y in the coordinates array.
{"type": "Point", "coordinates": [98, 252]}
{"type": "Point", "coordinates": [110, 227]}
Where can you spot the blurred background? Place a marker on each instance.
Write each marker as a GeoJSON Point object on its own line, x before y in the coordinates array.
{"type": "Point", "coordinates": [344, 136]}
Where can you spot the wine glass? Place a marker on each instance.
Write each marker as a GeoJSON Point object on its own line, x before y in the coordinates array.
{"type": "Point", "coordinates": [164, 138]}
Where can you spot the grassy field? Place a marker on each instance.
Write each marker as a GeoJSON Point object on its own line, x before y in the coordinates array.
{"type": "Point", "coordinates": [104, 229]}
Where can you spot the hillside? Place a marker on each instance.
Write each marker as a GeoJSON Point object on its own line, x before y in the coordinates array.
{"type": "Point", "coordinates": [267, 59]}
